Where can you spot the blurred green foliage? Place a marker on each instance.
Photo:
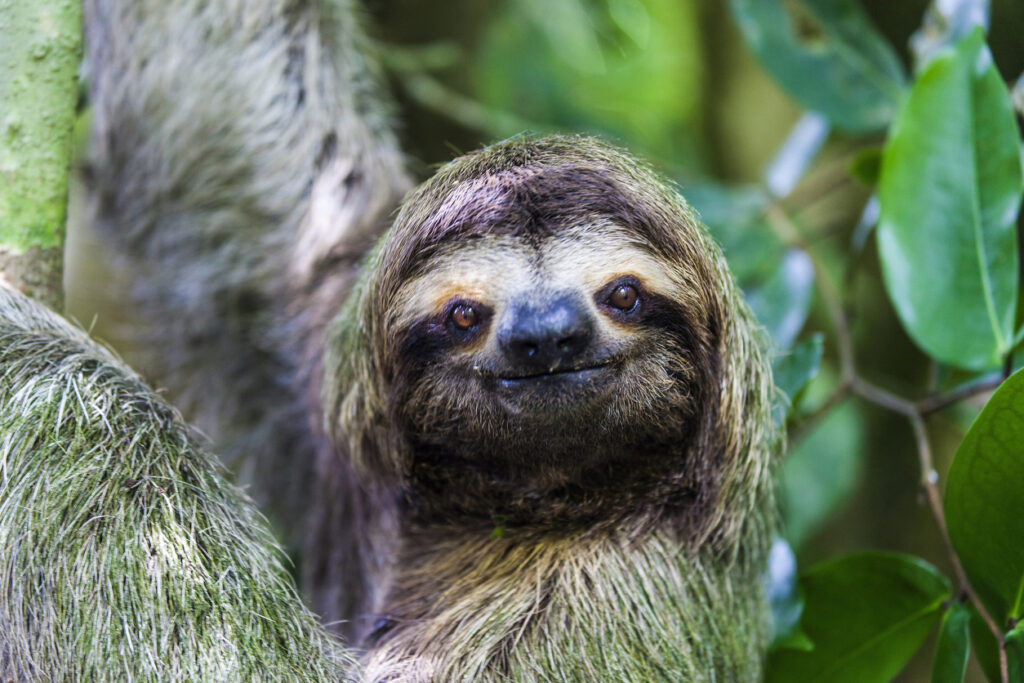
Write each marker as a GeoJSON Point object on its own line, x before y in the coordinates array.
{"type": "Point", "coordinates": [953, 645]}
{"type": "Point", "coordinates": [828, 55]}
{"type": "Point", "coordinates": [866, 614]}
{"type": "Point", "coordinates": [983, 502]}
{"type": "Point", "coordinates": [627, 69]}
{"type": "Point", "coordinates": [821, 472]}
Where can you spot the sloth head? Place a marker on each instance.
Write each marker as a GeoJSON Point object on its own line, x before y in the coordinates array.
{"type": "Point", "coordinates": [548, 334]}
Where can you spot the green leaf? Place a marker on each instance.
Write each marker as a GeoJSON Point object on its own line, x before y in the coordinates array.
{"type": "Point", "coordinates": [950, 191]}
{"type": "Point", "coordinates": [1015, 655]}
{"type": "Point", "coordinates": [821, 472]}
{"type": "Point", "coordinates": [867, 614]}
{"type": "Point", "coordinates": [983, 495]}
{"type": "Point", "coordinates": [866, 166]}
{"type": "Point", "coordinates": [783, 301]}
{"type": "Point", "coordinates": [794, 369]}
{"type": "Point", "coordinates": [828, 56]}
{"type": "Point", "coordinates": [984, 645]}
{"type": "Point", "coordinates": [953, 646]}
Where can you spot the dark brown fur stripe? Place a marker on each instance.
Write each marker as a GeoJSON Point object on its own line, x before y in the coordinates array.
{"type": "Point", "coordinates": [535, 201]}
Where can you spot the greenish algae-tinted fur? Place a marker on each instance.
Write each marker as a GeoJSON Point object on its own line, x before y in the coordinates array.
{"type": "Point", "coordinates": [126, 554]}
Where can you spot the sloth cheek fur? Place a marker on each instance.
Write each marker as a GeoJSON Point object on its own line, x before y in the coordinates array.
{"type": "Point", "coordinates": [551, 392]}
{"type": "Point", "coordinates": [481, 406]}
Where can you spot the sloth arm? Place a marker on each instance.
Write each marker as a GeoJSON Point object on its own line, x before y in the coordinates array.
{"type": "Point", "coordinates": [126, 553]}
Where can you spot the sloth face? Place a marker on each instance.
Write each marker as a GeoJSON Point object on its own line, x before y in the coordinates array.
{"type": "Point", "coordinates": [531, 348]}
{"type": "Point", "coordinates": [541, 327]}
{"type": "Point", "coordinates": [542, 314]}
{"type": "Point", "coordinates": [547, 332]}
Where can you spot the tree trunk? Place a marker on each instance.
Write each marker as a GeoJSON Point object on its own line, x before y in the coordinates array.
{"type": "Point", "coordinates": [40, 48]}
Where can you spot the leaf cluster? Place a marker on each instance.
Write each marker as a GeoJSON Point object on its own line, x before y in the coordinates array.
{"type": "Point", "coordinates": [944, 210]}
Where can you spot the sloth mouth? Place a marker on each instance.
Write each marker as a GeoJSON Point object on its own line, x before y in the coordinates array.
{"type": "Point", "coordinates": [551, 394]}
{"type": "Point", "coordinates": [575, 375]}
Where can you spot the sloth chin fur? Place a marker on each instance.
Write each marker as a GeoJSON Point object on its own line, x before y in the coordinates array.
{"type": "Point", "coordinates": [551, 392]}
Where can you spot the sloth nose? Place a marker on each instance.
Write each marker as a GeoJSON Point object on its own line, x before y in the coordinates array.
{"type": "Point", "coordinates": [546, 336]}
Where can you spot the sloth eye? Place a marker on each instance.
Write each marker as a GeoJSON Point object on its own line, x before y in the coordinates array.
{"type": "Point", "coordinates": [623, 297]}
{"type": "Point", "coordinates": [464, 317]}
{"type": "Point", "coordinates": [466, 320]}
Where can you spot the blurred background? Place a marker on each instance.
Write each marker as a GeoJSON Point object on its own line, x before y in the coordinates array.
{"type": "Point", "coordinates": [674, 81]}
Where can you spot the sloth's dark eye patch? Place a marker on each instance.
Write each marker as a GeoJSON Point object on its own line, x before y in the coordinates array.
{"type": "Point", "coordinates": [623, 298]}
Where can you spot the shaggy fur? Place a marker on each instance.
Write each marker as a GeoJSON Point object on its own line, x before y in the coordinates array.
{"type": "Point", "coordinates": [126, 555]}
{"type": "Point", "coordinates": [620, 539]}
{"type": "Point", "coordinates": [614, 532]}
{"type": "Point", "coordinates": [243, 160]}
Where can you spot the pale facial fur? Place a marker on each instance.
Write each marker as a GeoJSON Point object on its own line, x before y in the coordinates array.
{"type": "Point", "coordinates": [496, 270]}
{"type": "Point", "coordinates": [602, 402]}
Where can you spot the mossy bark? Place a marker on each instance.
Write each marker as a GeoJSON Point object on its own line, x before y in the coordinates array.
{"type": "Point", "coordinates": [40, 48]}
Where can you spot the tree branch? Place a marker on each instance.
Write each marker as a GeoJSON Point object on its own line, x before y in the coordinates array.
{"type": "Point", "coordinates": [930, 484]}
{"type": "Point", "coordinates": [937, 402]}
{"type": "Point", "coordinates": [40, 47]}
{"type": "Point", "coordinates": [915, 412]}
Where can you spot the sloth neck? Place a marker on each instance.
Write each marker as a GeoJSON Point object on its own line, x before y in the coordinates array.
{"type": "Point", "coordinates": [626, 488]}
{"type": "Point", "coordinates": [473, 605]}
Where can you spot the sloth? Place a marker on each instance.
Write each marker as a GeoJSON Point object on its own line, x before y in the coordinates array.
{"type": "Point", "coordinates": [535, 442]}
{"type": "Point", "coordinates": [546, 402]}
{"type": "Point", "coordinates": [551, 382]}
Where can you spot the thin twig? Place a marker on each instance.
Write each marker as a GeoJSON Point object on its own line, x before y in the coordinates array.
{"type": "Point", "coordinates": [915, 412]}
{"type": "Point", "coordinates": [468, 112]}
{"type": "Point", "coordinates": [936, 402]}
{"type": "Point", "coordinates": [882, 397]}
{"type": "Point", "coordinates": [814, 418]}
{"type": "Point", "coordinates": [930, 481]}
{"type": "Point", "coordinates": [788, 232]}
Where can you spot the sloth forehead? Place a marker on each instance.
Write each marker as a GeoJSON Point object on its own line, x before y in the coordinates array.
{"type": "Point", "coordinates": [492, 269]}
